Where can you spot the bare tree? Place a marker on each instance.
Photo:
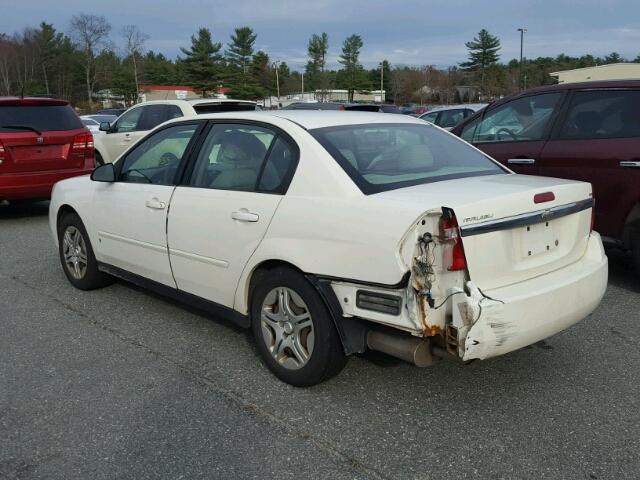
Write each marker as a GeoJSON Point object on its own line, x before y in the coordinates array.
{"type": "Point", "coordinates": [91, 34]}
{"type": "Point", "coordinates": [134, 45]}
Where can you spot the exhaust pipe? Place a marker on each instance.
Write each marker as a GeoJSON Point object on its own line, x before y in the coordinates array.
{"type": "Point", "coordinates": [405, 347]}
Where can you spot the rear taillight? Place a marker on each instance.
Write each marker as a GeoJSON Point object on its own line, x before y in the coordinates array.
{"type": "Point", "coordinates": [2, 153]}
{"type": "Point", "coordinates": [454, 252]}
{"type": "Point", "coordinates": [341, 107]}
{"type": "Point", "coordinates": [82, 145]}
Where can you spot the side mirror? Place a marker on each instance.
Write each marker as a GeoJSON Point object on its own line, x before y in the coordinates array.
{"type": "Point", "coordinates": [105, 127]}
{"type": "Point", "coordinates": [104, 173]}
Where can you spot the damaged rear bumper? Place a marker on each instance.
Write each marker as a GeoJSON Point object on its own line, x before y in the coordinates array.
{"type": "Point", "coordinates": [515, 316]}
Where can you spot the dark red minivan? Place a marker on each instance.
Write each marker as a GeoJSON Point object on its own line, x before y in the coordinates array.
{"type": "Point", "coordinates": [42, 141]}
{"type": "Point", "coordinates": [584, 131]}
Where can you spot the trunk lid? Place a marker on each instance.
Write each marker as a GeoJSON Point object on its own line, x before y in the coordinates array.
{"type": "Point", "coordinates": [506, 236]}
{"type": "Point", "coordinates": [24, 152]}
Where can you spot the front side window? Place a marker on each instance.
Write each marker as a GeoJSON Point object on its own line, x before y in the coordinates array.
{"type": "Point", "coordinates": [157, 158]}
{"type": "Point", "coordinates": [380, 157]}
{"type": "Point", "coordinates": [522, 119]}
{"type": "Point", "coordinates": [602, 114]}
{"type": "Point", "coordinates": [232, 157]}
{"type": "Point", "coordinates": [128, 122]}
{"type": "Point", "coordinates": [430, 117]}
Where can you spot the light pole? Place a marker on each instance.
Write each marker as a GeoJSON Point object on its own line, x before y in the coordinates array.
{"type": "Point", "coordinates": [381, 81]}
{"type": "Point", "coordinates": [522, 31]}
{"type": "Point", "coordinates": [275, 66]}
{"type": "Point", "coordinates": [302, 86]}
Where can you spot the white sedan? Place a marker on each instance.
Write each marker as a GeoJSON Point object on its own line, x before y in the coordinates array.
{"type": "Point", "coordinates": [329, 233]}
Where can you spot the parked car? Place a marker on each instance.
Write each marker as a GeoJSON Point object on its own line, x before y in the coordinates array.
{"type": "Point", "coordinates": [111, 111]}
{"type": "Point", "coordinates": [139, 119]}
{"type": "Point", "coordinates": [91, 124]}
{"type": "Point", "coordinates": [315, 106]}
{"type": "Point", "coordinates": [583, 131]}
{"type": "Point", "coordinates": [413, 109]}
{"type": "Point", "coordinates": [373, 107]}
{"type": "Point", "coordinates": [42, 141]}
{"type": "Point", "coordinates": [451, 115]}
{"type": "Point", "coordinates": [329, 233]}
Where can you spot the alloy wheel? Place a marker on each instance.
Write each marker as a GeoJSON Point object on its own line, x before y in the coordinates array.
{"type": "Point", "coordinates": [287, 328]}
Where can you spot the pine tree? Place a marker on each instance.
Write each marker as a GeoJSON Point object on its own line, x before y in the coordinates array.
{"type": "Point", "coordinates": [201, 65]}
{"type": "Point", "coordinates": [240, 52]}
{"type": "Point", "coordinates": [352, 72]}
{"type": "Point", "coordinates": [317, 53]}
{"type": "Point", "coordinates": [483, 52]}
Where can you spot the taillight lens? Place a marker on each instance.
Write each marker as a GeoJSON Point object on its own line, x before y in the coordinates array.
{"type": "Point", "coordinates": [2, 153]}
{"type": "Point", "coordinates": [341, 107]}
{"type": "Point", "coordinates": [82, 145]}
{"type": "Point", "coordinates": [454, 254]}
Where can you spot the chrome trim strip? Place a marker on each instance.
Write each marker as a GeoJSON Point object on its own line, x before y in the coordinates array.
{"type": "Point", "coordinates": [526, 219]}
{"type": "Point", "coordinates": [199, 258]}
{"type": "Point", "coordinates": [132, 241]}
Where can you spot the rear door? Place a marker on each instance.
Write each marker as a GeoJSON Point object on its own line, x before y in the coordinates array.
{"type": "Point", "coordinates": [42, 137]}
{"type": "Point", "coordinates": [515, 132]}
{"type": "Point", "coordinates": [597, 140]}
{"type": "Point", "coordinates": [222, 212]}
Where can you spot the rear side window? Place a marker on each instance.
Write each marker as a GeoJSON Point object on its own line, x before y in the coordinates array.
{"type": "Point", "coordinates": [450, 118]}
{"type": "Point", "coordinates": [232, 157]}
{"type": "Point", "coordinates": [40, 117]}
{"type": "Point", "coordinates": [602, 114]}
{"type": "Point", "coordinates": [380, 157]}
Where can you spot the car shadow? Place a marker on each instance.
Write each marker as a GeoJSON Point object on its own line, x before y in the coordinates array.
{"type": "Point", "coordinates": [23, 210]}
{"type": "Point", "coordinates": [622, 273]}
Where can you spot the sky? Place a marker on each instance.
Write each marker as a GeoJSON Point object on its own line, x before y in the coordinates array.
{"type": "Point", "coordinates": [405, 32]}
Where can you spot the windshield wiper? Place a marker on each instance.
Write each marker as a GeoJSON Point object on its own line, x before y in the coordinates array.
{"type": "Point", "coordinates": [22, 127]}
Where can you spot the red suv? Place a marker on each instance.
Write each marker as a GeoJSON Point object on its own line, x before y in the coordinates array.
{"type": "Point", "coordinates": [584, 131]}
{"type": "Point", "coordinates": [42, 141]}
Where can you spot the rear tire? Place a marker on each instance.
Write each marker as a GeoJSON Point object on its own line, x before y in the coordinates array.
{"type": "Point", "coordinates": [293, 329]}
{"type": "Point", "coordinates": [76, 255]}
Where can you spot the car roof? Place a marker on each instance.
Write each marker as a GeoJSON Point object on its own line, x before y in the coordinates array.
{"type": "Point", "coordinates": [561, 87]}
{"type": "Point", "coordinates": [198, 101]}
{"type": "Point", "coordinates": [471, 106]}
{"type": "Point", "coordinates": [31, 101]}
{"type": "Point", "coordinates": [311, 119]}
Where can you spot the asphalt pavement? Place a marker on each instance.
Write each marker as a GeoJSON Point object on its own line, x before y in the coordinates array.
{"type": "Point", "coordinates": [121, 383]}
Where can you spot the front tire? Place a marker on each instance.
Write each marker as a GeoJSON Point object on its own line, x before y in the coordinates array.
{"type": "Point", "coordinates": [76, 255]}
{"type": "Point", "coordinates": [293, 329]}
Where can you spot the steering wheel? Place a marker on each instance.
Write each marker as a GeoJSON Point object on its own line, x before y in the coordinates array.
{"type": "Point", "coordinates": [508, 132]}
{"type": "Point", "coordinates": [168, 160]}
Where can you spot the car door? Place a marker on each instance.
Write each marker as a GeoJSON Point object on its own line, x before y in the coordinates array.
{"type": "Point", "coordinates": [132, 211]}
{"type": "Point", "coordinates": [515, 132]}
{"type": "Point", "coordinates": [597, 140]}
{"type": "Point", "coordinates": [222, 211]}
{"type": "Point", "coordinates": [122, 133]}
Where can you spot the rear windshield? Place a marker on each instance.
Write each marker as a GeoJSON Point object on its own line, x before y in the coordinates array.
{"type": "Point", "coordinates": [223, 107]}
{"type": "Point", "coordinates": [381, 157]}
{"type": "Point", "coordinates": [40, 117]}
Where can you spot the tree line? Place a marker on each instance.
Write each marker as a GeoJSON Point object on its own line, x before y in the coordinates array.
{"type": "Point", "coordinates": [78, 63]}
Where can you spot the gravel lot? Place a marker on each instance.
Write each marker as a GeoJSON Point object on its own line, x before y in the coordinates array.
{"type": "Point", "coordinates": [121, 383]}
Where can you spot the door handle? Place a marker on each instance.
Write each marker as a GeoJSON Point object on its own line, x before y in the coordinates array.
{"type": "Point", "coordinates": [155, 204]}
{"type": "Point", "coordinates": [630, 164]}
{"type": "Point", "coordinates": [245, 215]}
{"type": "Point", "coordinates": [521, 161]}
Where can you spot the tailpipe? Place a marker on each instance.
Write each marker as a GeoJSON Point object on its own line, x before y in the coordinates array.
{"type": "Point", "coordinates": [405, 347]}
